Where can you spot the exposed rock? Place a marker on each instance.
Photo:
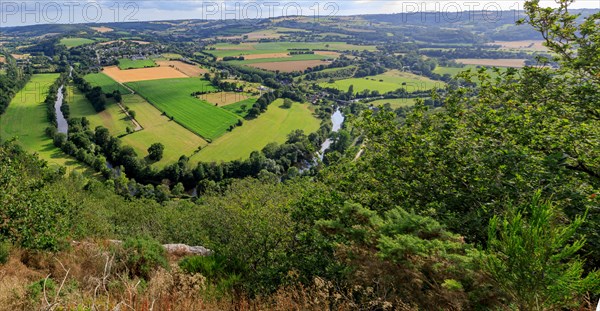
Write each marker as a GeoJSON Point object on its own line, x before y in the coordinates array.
{"type": "Point", "coordinates": [186, 249]}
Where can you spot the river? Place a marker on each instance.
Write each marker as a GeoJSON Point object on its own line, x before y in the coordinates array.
{"type": "Point", "coordinates": [337, 118]}
{"type": "Point", "coordinates": [61, 122]}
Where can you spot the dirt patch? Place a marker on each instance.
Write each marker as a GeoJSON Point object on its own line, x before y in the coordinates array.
{"type": "Point", "coordinates": [142, 74]}
{"type": "Point", "coordinates": [102, 29]}
{"type": "Point", "coordinates": [224, 98]}
{"type": "Point", "coordinates": [140, 42]}
{"type": "Point", "coordinates": [299, 65]}
{"type": "Point", "coordinates": [505, 62]}
{"type": "Point", "coordinates": [186, 69]}
{"type": "Point", "coordinates": [2, 59]}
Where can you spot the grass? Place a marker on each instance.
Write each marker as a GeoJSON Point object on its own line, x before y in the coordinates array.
{"type": "Point", "coordinates": [172, 56]}
{"type": "Point", "coordinates": [173, 96]}
{"type": "Point", "coordinates": [126, 63]}
{"type": "Point", "coordinates": [272, 126]}
{"type": "Point", "coordinates": [158, 128]}
{"type": "Point", "coordinates": [237, 107]}
{"type": "Point", "coordinates": [26, 120]}
{"type": "Point", "coordinates": [395, 103]}
{"type": "Point", "coordinates": [112, 118]}
{"type": "Point", "coordinates": [386, 82]}
{"type": "Point", "coordinates": [282, 59]}
{"type": "Point", "coordinates": [107, 84]}
{"type": "Point", "coordinates": [229, 49]}
{"type": "Point", "coordinates": [453, 71]}
{"type": "Point", "coordinates": [75, 42]}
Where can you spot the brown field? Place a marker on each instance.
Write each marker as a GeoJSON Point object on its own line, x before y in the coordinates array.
{"type": "Point", "coordinates": [2, 59]}
{"type": "Point", "coordinates": [328, 53]}
{"type": "Point", "coordinates": [530, 45]}
{"type": "Point", "coordinates": [224, 98]}
{"type": "Point", "coordinates": [102, 29]}
{"type": "Point", "coordinates": [187, 69]}
{"type": "Point", "coordinates": [505, 62]}
{"type": "Point", "coordinates": [20, 56]}
{"type": "Point", "coordinates": [299, 65]}
{"type": "Point", "coordinates": [142, 74]}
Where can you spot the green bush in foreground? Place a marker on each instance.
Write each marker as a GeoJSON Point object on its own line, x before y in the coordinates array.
{"type": "Point", "coordinates": [142, 256]}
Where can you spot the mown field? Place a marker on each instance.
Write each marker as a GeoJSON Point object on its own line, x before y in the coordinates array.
{"type": "Point", "coordinates": [126, 63]}
{"type": "Point", "coordinates": [386, 82]}
{"type": "Point", "coordinates": [112, 118]}
{"type": "Point", "coordinates": [107, 84]}
{"type": "Point", "coordinates": [75, 42]}
{"type": "Point", "coordinates": [272, 126]}
{"type": "Point", "coordinates": [172, 96]}
{"type": "Point", "coordinates": [26, 120]}
{"type": "Point", "coordinates": [229, 49]}
{"type": "Point", "coordinates": [158, 128]}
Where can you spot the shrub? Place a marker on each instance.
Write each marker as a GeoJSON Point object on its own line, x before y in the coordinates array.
{"type": "Point", "coordinates": [4, 251]}
{"type": "Point", "coordinates": [142, 256]}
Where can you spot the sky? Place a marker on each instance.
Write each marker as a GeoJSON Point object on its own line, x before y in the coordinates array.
{"type": "Point", "coordinates": [28, 12]}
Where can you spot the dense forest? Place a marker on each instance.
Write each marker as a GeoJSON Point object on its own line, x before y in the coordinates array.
{"type": "Point", "coordinates": [489, 201]}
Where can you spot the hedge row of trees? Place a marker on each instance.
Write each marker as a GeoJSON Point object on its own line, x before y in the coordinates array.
{"type": "Point", "coordinates": [12, 81]}
{"type": "Point", "coordinates": [94, 94]}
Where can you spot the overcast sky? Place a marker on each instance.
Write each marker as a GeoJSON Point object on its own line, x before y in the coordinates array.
{"type": "Point", "coordinates": [19, 13]}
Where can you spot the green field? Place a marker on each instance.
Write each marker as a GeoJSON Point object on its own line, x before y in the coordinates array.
{"type": "Point", "coordinates": [126, 63]}
{"type": "Point", "coordinates": [237, 107]}
{"type": "Point", "coordinates": [395, 103]}
{"type": "Point", "coordinates": [75, 42]}
{"type": "Point", "coordinates": [390, 81]}
{"type": "Point", "coordinates": [107, 84]}
{"type": "Point", "coordinates": [112, 118]}
{"type": "Point", "coordinates": [282, 59]}
{"type": "Point", "coordinates": [229, 49]}
{"type": "Point", "coordinates": [453, 71]}
{"type": "Point", "coordinates": [159, 129]}
{"type": "Point", "coordinates": [272, 126]}
{"type": "Point", "coordinates": [26, 120]}
{"type": "Point", "coordinates": [173, 97]}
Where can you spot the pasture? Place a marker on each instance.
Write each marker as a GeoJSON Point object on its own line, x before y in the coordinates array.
{"type": "Point", "coordinates": [289, 58]}
{"type": "Point", "coordinates": [228, 49]}
{"type": "Point", "coordinates": [288, 66]}
{"type": "Point", "coordinates": [158, 128]}
{"type": "Point", "coordinates": [143, 74]}
{"type": "Point", "coordinates": [113, 118]}
{"type": "Point", "coordinates": [386, 82]}
{"type": "Point", "coordinates": [107, 84]}
{"type": "Point", "coordinates": [241, 108]}
{"type": "Point", "coordinates": [504, 62]}
{"type": "Point", "coordinates": [26, 119]}
{"type": "Point", "coordinates": [272, 126]}
{"type": "Point", "coordinates": [173, 96]}
{"type": "Point", "coordinates": [395, 103]}
{"type": "Point", "coordinates": [126, 63]}
{"type": "Point", "coordinates": [75, 42]}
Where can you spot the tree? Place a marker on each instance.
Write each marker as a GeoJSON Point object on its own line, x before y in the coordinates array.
{"type": "Point", "coordinates": [533, 258]}
{"type": "Point", "coordinates": [287, 103]}
{"type": "Point", "coordinates": [178, 189]}
{"type": "Point", "coordinates": [155, 152]}
{"type": "Point", "coordinates": [132, 114]}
